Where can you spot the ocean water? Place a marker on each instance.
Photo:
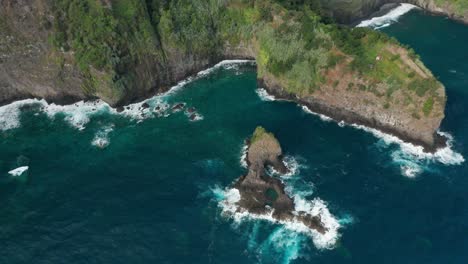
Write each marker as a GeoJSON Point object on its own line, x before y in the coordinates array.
{"type": "Point", "coordinates": [85, 184]}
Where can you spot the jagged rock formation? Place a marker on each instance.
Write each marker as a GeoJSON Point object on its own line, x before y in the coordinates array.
{"type": "Point", "coordinates": [263, 194]}
{"type": "Point", "coordinates": [123, 50]}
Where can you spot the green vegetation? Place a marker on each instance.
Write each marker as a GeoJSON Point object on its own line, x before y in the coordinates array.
{"type": "Point", "coordinates": [260, 133]}
{"type": "Point", "coordinates": [292, 41]}
{"type": "Point", "coordinates": [459, 6]}
{"type": "Point", "coordinates": [428, 105]}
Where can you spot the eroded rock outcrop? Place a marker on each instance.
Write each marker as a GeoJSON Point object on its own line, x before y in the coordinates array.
{"type": "Point", "coordinates": [71, 50]}
{"type": "Point", "coordinates": [262, 194]}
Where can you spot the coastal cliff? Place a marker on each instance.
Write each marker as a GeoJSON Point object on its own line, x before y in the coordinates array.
{"type": "Point", "coordinates": [124, 50]}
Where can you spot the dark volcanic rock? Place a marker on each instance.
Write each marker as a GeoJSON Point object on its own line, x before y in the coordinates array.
{"type": "Point", "coordinates": [178, 107]}
{"type": "Point", "coordinates": [260, 193]}
{"type": "Point", "coordinates": [191, 110]}
{"type": "Point", "coordinates": [145, 105]}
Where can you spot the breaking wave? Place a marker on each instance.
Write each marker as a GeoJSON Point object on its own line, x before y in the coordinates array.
{"type": "Point", "coordinates": [283, 246]}
{"type": "Point", "coordinates": [322, 117]}
{"type": "Point", "coordinates": [227, 200]}
{"type": "Point", "coordinates": [243, 156]}
{"type": "Point", "coordinates": [101, 139]}
{"type": "Point", "coordinates": [389, 18]}
{"type": "Point", "coordinates": [78, 114]}
{"type": "Point", "coordinates": [264, 95]}
{"type": "Point", "coordinates": [409, 156]}
{"type": "Point", "coordinates": [445, 155]}
{"type": "Point", "coordinates": [292, 164]}
{"type": "Point", "coordinates": [10, 115]}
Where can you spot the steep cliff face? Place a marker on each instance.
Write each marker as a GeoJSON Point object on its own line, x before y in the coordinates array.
{"type": "Point", "coordinates": [123, 50]}
{"type": "Point", "coordinates": [29, 67]}
{"type": "Point", "coordinates": [348, 11]}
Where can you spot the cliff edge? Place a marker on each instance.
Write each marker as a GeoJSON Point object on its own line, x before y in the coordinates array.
{"type": "Point", "coordinates": [124, 50]}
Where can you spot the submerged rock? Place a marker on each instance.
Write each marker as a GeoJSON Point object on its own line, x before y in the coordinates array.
{"type": "Point", "coordinates": [178, 107]}
{"type": "Point", "coordinates": [191, 110]}
{"type": "Point", "coordinates": [145, 105]}
{"type": "Point", "coordinates": [263, 194]}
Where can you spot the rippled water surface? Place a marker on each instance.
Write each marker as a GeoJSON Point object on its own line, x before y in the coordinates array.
{"type": "Point", "coordinates": [149, 186]}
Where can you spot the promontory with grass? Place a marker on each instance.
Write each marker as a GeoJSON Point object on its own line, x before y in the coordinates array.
{"type": "Point", "coordinates": [261, 194]}
{"type": "Point", "coordinates": [122, 51]}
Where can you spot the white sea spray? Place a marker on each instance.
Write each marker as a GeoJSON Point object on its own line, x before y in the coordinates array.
{"type": "Point", "coordinates": [10, 114]}
{"type": "Point", "coordinates": [101, 138]}
{"type": "Point", "coordinates": [79, 114]}
{"type": "Point", "coordinates": [321, 116]}
{"type": "Point", "coordinates": [389, 18]}
{"type": "Point", "coordinates": [243, 156]}
{"type": "Point", "coordinates": [316, 207]}
{"type": "Point", "coordinates": [264, 95]}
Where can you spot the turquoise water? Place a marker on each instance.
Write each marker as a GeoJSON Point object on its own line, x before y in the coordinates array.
{"type": "Point", "coordinates": [154, 193]}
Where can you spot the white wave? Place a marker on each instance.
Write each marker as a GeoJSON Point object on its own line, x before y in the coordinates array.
{"type": "Point", "coordinates": [226, 64]}
{"type": "Point", "coordinates": [410, 171]}
{"type": "Point", "coordinates": [291, 163]}
{"type": "Point", "coordinates": [101, 139]}
{"type": "Point", "coordinates": [79, 113]}
{"type": "Point", "coordinates": [444, 155]}
{"type": "Point", "coordinates": [287, 244]}
{"type": "Point", "coordinates": [383, 26]}
{"type": "Point", "coordinates": [18, 171]}
{"type": "Point", "coordinates": [243, 156]}
{"type": "Point", "coordinates": [264, 95]}
{"type": "Point", "coordinates": [196, 117]}
{"type": "Point", "coordinates": [315, 207]}
{"type": "Point", "coordinates": [10, 114]}
{"type": "Point", "coordinates": [322, 117]}
{"type": "Point", "coordinates": [389, 18]}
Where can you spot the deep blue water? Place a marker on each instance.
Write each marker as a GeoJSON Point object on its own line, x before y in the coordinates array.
{"type": "Point", "coordinates": [151, 196]}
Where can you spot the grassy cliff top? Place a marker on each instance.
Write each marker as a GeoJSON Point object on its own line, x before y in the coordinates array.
{"type": "Point", "coordinates": [260, 134]}
{"type": "Point", "coordinates": [291, 42]}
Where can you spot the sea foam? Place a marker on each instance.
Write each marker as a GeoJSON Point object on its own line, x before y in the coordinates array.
{"type": "Point", "coordinates": [264, 95]}
{"type": "Point", "coordinates": [409, 156]}
{"type": "Point", "coordinates": [10, 114]}
{"type": "Point", "coordinates": [389, 18]}
{"type": "Point", "coordinates": [283, 246]}
{"type": "Point", "coordinates": [228, 202]}
{"type": "Point", "coordinates": [79, 114]}
{"type": "Point", "coordinates": [243, 156]}
{"type": "Point", "coordinates": [101, 139]}
{"type": "Point", "coordinates": [323, 117]}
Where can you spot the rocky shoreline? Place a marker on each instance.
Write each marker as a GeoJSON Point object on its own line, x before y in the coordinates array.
{"type": "Point", "coordinates": [345, 11]}
{"type": "Point", "coordinates": [351, 118]}
{"type": "Point", "coordinates": [279, 93]}
{"type": "Point", "coordinates": [71, 98]}
{"type": "Point", "coordinates": [261, 194]}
